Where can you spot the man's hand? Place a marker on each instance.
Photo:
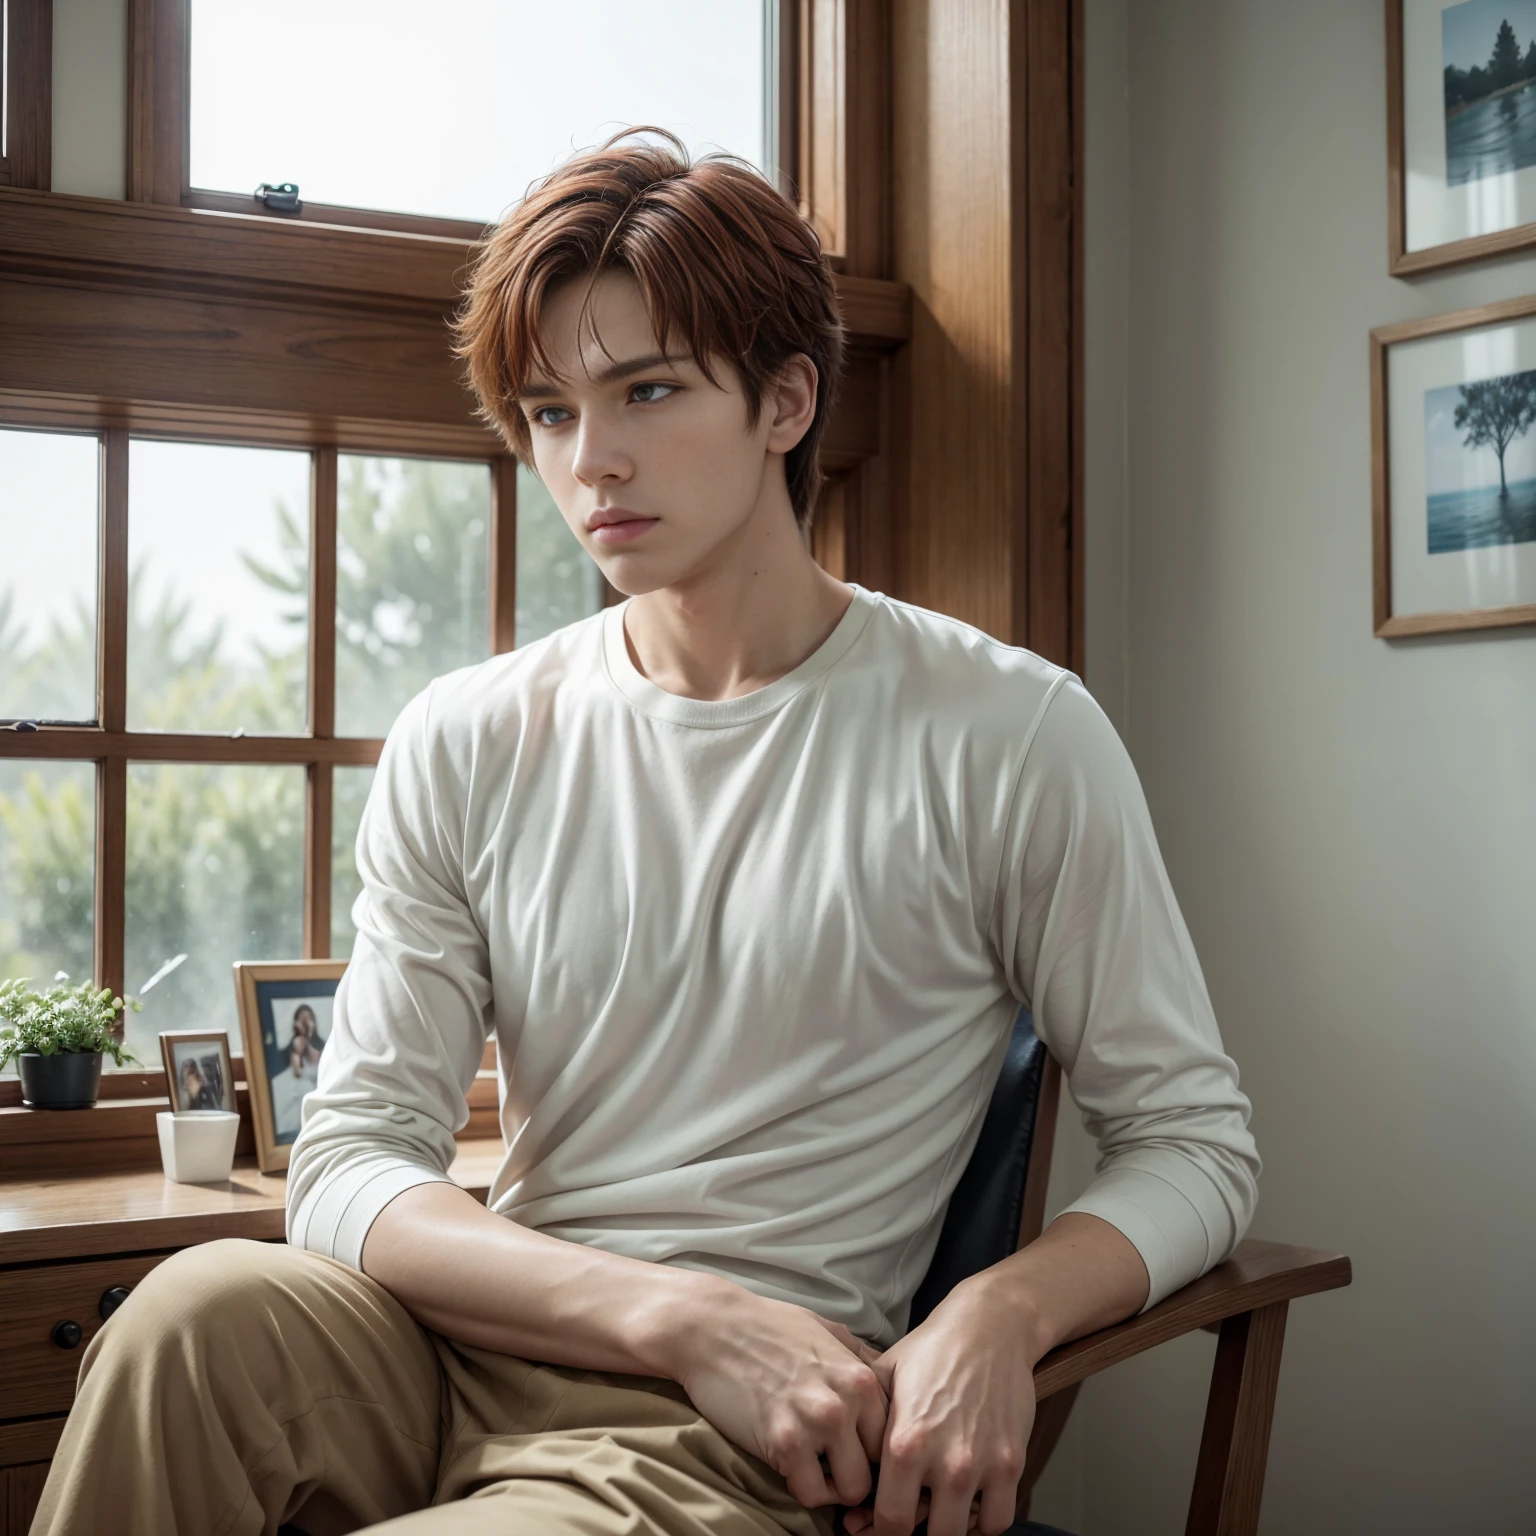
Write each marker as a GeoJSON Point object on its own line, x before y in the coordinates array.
{"type": "Point", "coordinates": [791, 1388]}
{"type": "Point", "coordinates": [962, 1395]}
{"type": "Point", "coordinates": [962, 1388]}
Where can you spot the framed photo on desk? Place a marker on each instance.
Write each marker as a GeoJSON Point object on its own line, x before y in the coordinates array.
{"type": "Point", "coordinates": [198, 1072]}
{"type": "Point", "coordinates": [285, 1021]}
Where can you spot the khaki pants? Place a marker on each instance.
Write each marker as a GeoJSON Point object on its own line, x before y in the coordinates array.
{"type": "Point", "coordinates": [245, 1385]}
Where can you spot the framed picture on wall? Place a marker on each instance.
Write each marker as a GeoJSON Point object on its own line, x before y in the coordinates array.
{"type": "Point", "coordinates": [1461, 130]}
{"type": "Point", "coordinates": [1453, 423]}
{"type": "Point", "coordinates": [285, 1020]}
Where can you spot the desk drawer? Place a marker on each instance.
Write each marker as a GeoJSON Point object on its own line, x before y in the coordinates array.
{"type": "Point", "coordinates": [37, 1375]}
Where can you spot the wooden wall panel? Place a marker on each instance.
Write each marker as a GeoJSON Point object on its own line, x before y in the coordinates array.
{"type": "Point", "coordinates": [985, 119]}
{"type": "Point", "coordinates": [952, 236]}
{"type": "Point", "coordinates": [1044, 587]}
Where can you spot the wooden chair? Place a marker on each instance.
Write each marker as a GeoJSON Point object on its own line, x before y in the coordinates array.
{"type": "Point", "coordinates": [999, 1206]}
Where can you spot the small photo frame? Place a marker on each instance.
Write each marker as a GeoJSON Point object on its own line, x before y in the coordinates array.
{"type": "Point", "coordinates": [1461, 130]}
{"type": "Point", "coordinates": [285, 1021]}
{"type": "Point", "coordinates": [1453, 423]}
{"type": "Point", "coordinates": [198, 1070]}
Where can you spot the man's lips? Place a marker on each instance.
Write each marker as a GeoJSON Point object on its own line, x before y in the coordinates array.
{"type": "Point", "coordinates": [615, 525]}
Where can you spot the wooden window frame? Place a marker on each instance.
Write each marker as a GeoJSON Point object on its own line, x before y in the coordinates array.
{"type": "Point", "coordinates": [26, 159]}
{"type": "Point", "coordinates": [121, 1126]}
{"type": "Point", "coordinates": [111, 746]}
{"type": "Point", "coordinates": [953, 456]}
{"type": "Point", "coordinates": [159, 125]}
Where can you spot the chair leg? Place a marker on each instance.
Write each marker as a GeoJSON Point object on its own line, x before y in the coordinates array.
{"type": "Point", "coordinates": [1229, 1480]}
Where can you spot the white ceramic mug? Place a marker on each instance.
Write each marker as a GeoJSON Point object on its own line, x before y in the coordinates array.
{"type": "Point", "coordinates": [197, 1146]}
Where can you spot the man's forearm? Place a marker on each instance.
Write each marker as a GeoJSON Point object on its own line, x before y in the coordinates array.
{"type": "Point", "coordinates": [1081, 1274]}
{"type": "Point", "coordinates": [464, 1271]}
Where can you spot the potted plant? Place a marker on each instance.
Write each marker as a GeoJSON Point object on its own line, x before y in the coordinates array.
{"type": "Point", "coordinates": [57, 1039]}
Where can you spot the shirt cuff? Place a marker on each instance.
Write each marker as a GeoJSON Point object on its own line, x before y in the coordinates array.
{"type": "Point", "coordinates": [337, 1216]}
{"type": "Point", "coordinates": [1159, 1220]}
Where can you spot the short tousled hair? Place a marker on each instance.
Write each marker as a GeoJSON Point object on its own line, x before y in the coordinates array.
{"type": "Point", "coordinates": [725, 264]}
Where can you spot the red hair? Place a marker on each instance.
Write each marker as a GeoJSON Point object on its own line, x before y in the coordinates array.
{"type": "Point", "coordinates": [727, 268]}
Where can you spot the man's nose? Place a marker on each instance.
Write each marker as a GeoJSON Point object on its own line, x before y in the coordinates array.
{"type": "Point", "coordinates": [599, 455]}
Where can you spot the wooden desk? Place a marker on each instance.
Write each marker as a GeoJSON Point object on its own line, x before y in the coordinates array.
{"type": "Point", "coordinates": [66, 1241]}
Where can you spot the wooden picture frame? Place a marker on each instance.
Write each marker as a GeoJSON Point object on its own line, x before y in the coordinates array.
{"type": "Point", "coordinates": [1401, 261]}
{"type": "Point", "coordinates": [1389, 622]}
{"type": "Point", "coordinates": [272, 996]}
{"type": "Point", "coordinates": [199, 1071]}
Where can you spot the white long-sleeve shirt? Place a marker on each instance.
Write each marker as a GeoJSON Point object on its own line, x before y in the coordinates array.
{"type": "Point", "coordinates": [751, 964]}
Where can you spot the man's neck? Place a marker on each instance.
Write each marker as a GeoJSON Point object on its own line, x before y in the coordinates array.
{"type": "Point", "coordinates": [756, 613]}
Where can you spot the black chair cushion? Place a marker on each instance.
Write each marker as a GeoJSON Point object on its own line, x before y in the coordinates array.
{"type": "Point", "coordinates": [981, 1226]}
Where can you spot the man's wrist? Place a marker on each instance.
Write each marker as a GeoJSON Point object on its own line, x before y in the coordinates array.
{"type": "Point", "coordinates": [1010, 1308]}
{"type": "Point", "coordinates": [672, 1321]}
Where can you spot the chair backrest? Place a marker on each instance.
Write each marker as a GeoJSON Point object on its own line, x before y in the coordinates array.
{"type": "Point", "coordinates": [1001, 1194]}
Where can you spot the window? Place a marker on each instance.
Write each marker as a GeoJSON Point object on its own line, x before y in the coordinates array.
{"type": "Point", "coordinates": [218, 588]}
{"type": "Point", "coordinates": [228, 746]}
{"type": "Point", "coordinates": [47, 869]}
{"type": "Point", "coordinates": [49, 485]}
{"type": "Point", "coordinates": [451, 112]}
{"type": "Point", "coordinates": [413, 548]}
{"type": "Point", "coordinates": [296, 336]}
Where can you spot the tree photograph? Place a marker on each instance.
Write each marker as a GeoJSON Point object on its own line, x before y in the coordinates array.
{"type": "Point", "coordinates": [1481, 463]}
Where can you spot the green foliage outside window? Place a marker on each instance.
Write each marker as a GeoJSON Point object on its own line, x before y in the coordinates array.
{"type": "Point", "coordinates": [212, 868]}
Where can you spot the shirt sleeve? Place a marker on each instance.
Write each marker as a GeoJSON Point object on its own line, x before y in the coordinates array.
{"type": "Point", "coordinates": [1092, 939]}
{"type": "Point", "coordinates": [409, 1024]}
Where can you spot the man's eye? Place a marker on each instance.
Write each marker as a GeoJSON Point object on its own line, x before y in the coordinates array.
{"type": "Point", "coordinates": [549, 415]}
{"type": "Point", "coordinates": [644, 394]}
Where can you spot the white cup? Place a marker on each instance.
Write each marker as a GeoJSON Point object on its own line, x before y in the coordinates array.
{"type": "Point", "coordinates": [197, 1146]}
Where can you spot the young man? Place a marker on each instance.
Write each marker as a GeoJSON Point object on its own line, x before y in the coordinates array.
{"type": "Point", "coordinates": [747, 877]}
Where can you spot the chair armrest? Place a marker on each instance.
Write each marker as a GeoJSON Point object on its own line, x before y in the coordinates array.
{"type": "Point", "coordinates": [1258, 1274]}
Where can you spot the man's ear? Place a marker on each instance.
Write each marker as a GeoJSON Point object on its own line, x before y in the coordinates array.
{"type": "Point", "coordinates": [790, 403]}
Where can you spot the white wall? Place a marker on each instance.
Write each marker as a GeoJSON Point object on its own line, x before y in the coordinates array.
{"type": "Point", "coordinates": [1350, 824]}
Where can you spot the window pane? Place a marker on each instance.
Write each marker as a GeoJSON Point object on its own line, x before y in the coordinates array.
{"type": "Point", "coordinates": [47, 866]}
{"type": "Point", "coordinates": [452, 111]}
{"type": "Point", "coordinates": [348, 797]}
{"type": "Point", "coordinates": [413, 566]}
{"type": "Point", "coordinates": [215, 874]}
{"type": "Point", "coordinates": [557, 581]}
{"type": "Point", "coordinates": [218, 588]}
{"type": "Point", "coordinates": [48, 521]}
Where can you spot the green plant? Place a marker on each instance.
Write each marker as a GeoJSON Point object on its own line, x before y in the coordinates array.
{"type": "Point", "coordinates": [77, 1018]}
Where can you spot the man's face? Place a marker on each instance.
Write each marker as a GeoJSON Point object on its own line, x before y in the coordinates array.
{"type": "Point", "coordinates": [655, 469]}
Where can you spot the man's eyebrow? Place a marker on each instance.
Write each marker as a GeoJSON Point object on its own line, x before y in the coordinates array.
{"type": "Point", "coordinates": [620, 369]}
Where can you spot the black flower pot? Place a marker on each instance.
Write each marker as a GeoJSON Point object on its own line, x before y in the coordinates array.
{"type": "Point", "coordinates": [66, 1080]}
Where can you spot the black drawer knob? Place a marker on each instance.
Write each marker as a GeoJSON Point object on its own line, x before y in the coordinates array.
{"type": "Point", "coordinates": [112, 1300]}
{"type": "Point", "coordinates": [67, 1335]}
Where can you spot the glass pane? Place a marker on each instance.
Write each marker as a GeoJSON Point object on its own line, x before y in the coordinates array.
{"type": "Point", "coordinates": [215, 874]}
{"type": "Point", "coordinates": [557, 581]}
{"type": "Point", "coordinates": [218, 588]}
{"type": "Point", "coordinates": [413, 570]}
{"type": "Point", "coordinates": [47, 866]}
{"type": "Point", "coordinates": [348, 797]}
{"type": "Point", "coordinates": [453, 111]}
{"type": "Point", "coordinates": [48, 521]}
